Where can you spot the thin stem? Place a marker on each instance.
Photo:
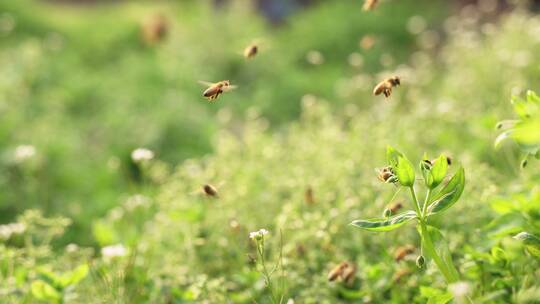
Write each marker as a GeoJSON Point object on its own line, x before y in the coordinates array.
{"type": "Point", "coordinates": [266, 274]}
{"type": "Point", "coordinates": [426, 202]}
{"type": "Point", "coordinates": [416, 204]}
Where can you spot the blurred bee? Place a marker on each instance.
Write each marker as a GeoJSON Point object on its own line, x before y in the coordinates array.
{"type": "Point", "coordinates": [387, 175]}
{"type": "Point", "coordinates": [348, 275]}
{"type": "Point", "coordinates": [402, 252]}
{"type": "Point", "coordinates": [215, 89]}
{"type": "Point", "coordinates": [367, 42]}
{"type": "Point", "coordinates": [210, 190]}
{"type": "Point", "coordinates": [309, 197]}
{"type": "Point", "coordinates": [345, 271]}
{"type": "Point", "coordinates": [337, 271]}
{"type": "Point", "coordinates": [386, 86]}
{"type": "Point", "coordinates": [400, 274]}
{"type": "Point", "coordinates": [395, 207]}
{"type": "Point", "coordinates": [251, 51]}
{"type": "Point", "coordinates": [370, 4]}
{"type": "Point", "coordinates": [154, 29]}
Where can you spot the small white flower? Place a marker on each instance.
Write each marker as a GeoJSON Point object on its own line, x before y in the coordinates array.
{"type": "Point", "coordinates": [258, 235]}
{"type": "Point", "coordinates": [460, 290]}
{"type": "Point", "coordinates": [9, 229]}
{"type": "Point", "coordinates": [142, 154]}
{"type": "Point", "coordinates": [70, 248]}
{"type": "Point", "coordinates": [24, 152]}
{"type": "Point", "coordinates": [113, 251]}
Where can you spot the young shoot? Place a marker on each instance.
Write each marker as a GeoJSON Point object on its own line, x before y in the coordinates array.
{"type": "Point", "coordinates": [439, 197]}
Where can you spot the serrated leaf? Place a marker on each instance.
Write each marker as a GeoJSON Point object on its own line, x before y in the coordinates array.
{"type": "Point", "coordinates": [439, 170]}
{"type": "Point", "coordinates": [449, 194]}
{"type": "Point", "coordinates": [385, 224]}
{"type": "Point", "coordinates": [405, 172]}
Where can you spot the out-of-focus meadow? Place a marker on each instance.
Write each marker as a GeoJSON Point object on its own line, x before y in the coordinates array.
{"type": "Point", "coordinates": [107, 141]}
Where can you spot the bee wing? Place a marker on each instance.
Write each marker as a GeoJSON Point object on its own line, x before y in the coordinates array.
{"type": "Point", "coordinates": [229, 88]}
{"type": "Point", "coordinates": [206, 83]}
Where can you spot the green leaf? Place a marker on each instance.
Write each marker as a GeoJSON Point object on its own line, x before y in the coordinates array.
{"type": "Point", "coordinates": [531, 242]}
{"type": "Point", "coordinates": [440, 299]}
{"type": "Point", "coordinates": [385, 224]}
{"type": "Point", "coordinates": [502, 137]}
{"type": "Point", "coordinates": [392, 156]}
{"type": "Point", "coordinates": [439, 170]}
{"type": "Point", "coordinates": [449, 194]}
{"type": "Point", "coordinates": [405, 172]}
{"type": "Point", "coordinates": [75, 276]}
{"type": "Point", "coordinates": [43, 291]}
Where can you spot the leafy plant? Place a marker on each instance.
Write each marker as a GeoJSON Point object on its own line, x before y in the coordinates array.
{"type": "Point", "coordinates": [437, 200]}
{"type": "Point", "coordinates": [525, 130]}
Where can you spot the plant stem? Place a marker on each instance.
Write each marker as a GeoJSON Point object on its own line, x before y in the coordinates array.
{"type": "Point", "coordinates": [416, 204]}
{"type": "Point", "coordinates": [426, 202]}
{"type": "Point", "coordinates": [267, 278]}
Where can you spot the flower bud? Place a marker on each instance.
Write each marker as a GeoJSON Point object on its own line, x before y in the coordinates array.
{"type": "Point", "coordinates": [420, 261]}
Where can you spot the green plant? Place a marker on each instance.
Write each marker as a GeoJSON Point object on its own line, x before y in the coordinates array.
{"type": "Point", "coordinates": [525, 130]}
{"type": "Point", "coordinates": [277, 293]}
{"type": "Point", "coordinates": [437, 200]}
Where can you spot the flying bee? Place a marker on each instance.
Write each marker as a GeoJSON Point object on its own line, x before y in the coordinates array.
{"type": "Point", "coordinates": [400, 274]}
{"type": "Point", "coordinates": [370, 5]}
{"type": "Point", "coordinates": [402, 252]}
{"type": "Point", "coordinates": [395, 207]}
{"type": "Point", "coordinates": [250, 51]}
{"type": "Point", "coordinates": [337, 271]}
{"type": "Point", "coordinates": [348, 275]}
{"type": "Point", "coordinates": [215, 89]}
{"type": "Point", "coordinates": [210, 190]}
{"type": "Point", "coordinates": [154, 29]}
{"type": "Point", "coordinates": [386, 86]}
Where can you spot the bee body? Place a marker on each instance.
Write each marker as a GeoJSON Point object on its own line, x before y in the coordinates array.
{"type": "Point", "coordinates": [215, 89]}
{"type": "Point", "coordinates": [251, 51]}
{"type": "Point", "coordinates": [385, 86]}
{"type": "Point", "coordinates": [370, 5]}
{"type": "Point", "coordinates": [210, 190]}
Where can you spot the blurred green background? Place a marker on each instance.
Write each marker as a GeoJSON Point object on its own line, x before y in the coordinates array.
{"type": "Point", "coordinates": [84, 84]}
{"type": "Point", "coordinates": [81, 85]}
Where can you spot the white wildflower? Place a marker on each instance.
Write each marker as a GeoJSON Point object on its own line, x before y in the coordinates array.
{"type": "Point", "coordinates": [70, 248]}
{"type": "Point", "coordinates": [460, 290]}
{"type": "Point", "coordinates": [142, 154]}
{"type": "Point", "coordinates": [315, 57]}
{"type": "Point", "coordinates": [258, 235]}
{"type": "Point", "coordinates": [6, 231]}
{"type": "Point", "coordinates": [113, 251]}
{"type": "Point", "coordinates": [24, 152]}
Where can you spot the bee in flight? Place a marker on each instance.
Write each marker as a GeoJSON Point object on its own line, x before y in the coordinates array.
{"type": "Point", "coordinates": [386, 86]}
{"type": "Point", "coordinates": [251, 51]}
{"type": "Point", "coordinates": [215, 89]}
{"type": "Point", "coordinates": [370, 5]}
